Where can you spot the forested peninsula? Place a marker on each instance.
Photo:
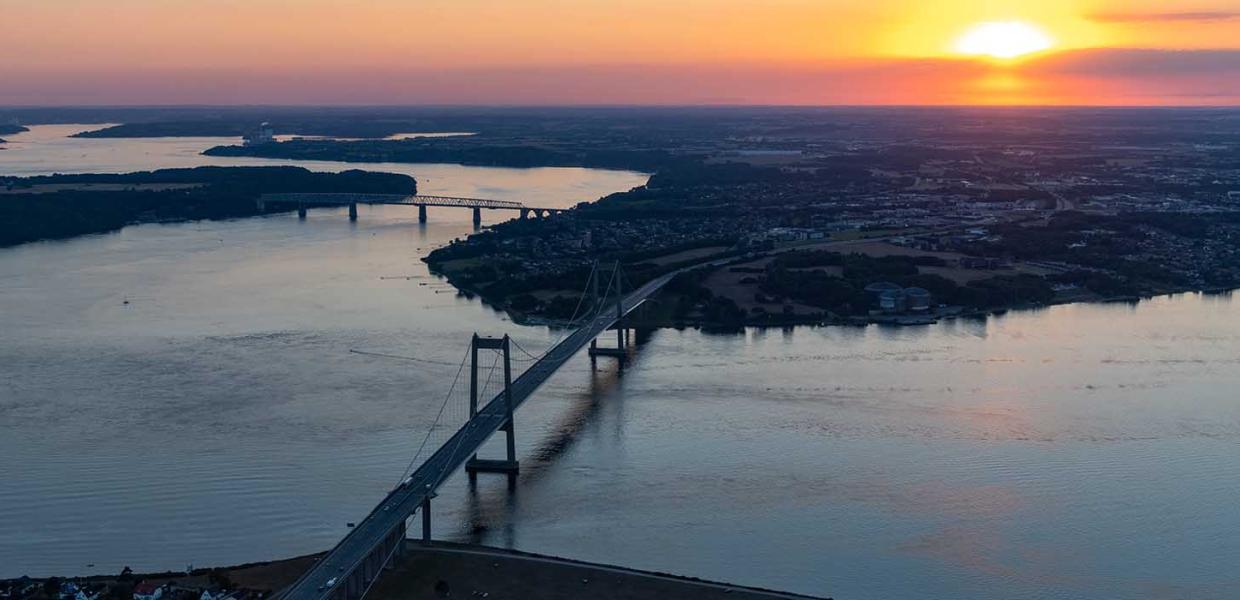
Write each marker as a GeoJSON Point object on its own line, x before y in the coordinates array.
{"type": "Point", "coordinates": [62, 206]}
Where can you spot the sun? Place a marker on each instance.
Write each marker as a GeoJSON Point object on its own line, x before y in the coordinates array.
{"type": "Point", "coordinates": [1003, 40]}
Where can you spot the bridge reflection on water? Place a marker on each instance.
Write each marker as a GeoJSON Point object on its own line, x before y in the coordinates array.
{"type": "Point", "coordinates": [490, 512]}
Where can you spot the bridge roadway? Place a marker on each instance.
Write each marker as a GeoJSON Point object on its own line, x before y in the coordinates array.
{"type": "Point", "coordinates": [334, 575]}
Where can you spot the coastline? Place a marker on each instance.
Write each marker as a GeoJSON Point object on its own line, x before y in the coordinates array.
{"type": "Point", "coordinates": [53, 207]}
{"type": "Point", "coordinates": [476, 151]}
{"type": "Point", "coordinates": [908, 320]}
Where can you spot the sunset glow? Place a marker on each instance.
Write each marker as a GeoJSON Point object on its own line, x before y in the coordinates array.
{"type": "Point", "coordinates": [640, 51]}
{"type": "Point", "coordinates": [1003, 39]}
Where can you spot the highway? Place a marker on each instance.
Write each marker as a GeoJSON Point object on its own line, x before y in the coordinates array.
{"type": "Point", "coordinates": [356, 552]}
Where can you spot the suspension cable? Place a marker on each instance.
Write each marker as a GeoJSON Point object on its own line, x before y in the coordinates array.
{"type": "Point", "coordinates": [397, 356]}
{"type": "Point", "coordinates": [448, 396]}
{"type": "Point", "coordinates": [571, 321]}
{"type": "Point", "coordinates": [526, 352]}
{"type": "Point", "coordinates": [460, 439]}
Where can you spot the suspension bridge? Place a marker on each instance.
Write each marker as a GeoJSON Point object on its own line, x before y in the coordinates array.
{"type": "Point", "coordinates": [354, 564]}
{"type": "Point", "coordinates": [352, 200]}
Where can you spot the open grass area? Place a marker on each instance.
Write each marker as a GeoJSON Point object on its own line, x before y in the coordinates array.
{"type": "Point", "coordinates": [457, 571]}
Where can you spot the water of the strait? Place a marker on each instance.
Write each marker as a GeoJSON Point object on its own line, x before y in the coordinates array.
{"type": "Point", "coordinates": [1083, 451]}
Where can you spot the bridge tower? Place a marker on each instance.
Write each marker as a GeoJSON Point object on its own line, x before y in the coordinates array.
{"type": "Point", "coordinates": [477, 217]}
{"type": "Point", "coordinates": [352, 211]}
{"type": "Point", "coordinates": [621, 349]}
{"type": "Point", "coordinates": [477, 465]}
{"type": "Point", "coordinates": [421, 213]}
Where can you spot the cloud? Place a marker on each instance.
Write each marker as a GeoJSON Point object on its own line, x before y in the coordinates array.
{"type": "Point", "coordinates": [1141, 63]}
{"type": "Point", "coordinates": [1164, 17]}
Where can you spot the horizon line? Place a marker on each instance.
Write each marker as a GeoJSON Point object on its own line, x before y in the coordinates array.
{"type": "Point", "coordinates": [610, 105]}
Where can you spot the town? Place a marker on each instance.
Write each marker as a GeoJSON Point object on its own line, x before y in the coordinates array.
{"type": "Point", "coordinates": [980, 220]}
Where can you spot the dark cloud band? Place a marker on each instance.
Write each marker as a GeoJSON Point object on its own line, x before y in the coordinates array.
{"type": "Point", "coordinates": [1164, 17]}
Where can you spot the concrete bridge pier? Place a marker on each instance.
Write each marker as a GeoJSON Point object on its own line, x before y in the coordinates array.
{"type": "Point", "coordinates": [525, 214]}
{"type": "Point", "coordinates": [477, 217]}
{"type": "Point", "coordinates": [301, 212]}
{"type": "Point", "coordinates": [352, 211]}
{"type": "Point", "coordinates": [421, 213]}
{"type": "Point", "coordinates": [426, 519]}
{"type": "Point", "coordinates": [620, 352]}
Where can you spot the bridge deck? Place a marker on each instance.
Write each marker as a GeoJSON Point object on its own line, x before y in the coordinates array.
{"type": "Point", "coordinates": [390, 514]}
{"type": "Point", "coordinates": [337, 199]}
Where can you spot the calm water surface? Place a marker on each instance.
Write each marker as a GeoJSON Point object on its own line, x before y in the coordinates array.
{"type": "Point", "coordinates": [48, 149]}
{"type": "Point", "coordinates": [1085, 451]}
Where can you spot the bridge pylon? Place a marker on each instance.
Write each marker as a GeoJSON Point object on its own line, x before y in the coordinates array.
{"type": "Point", "coordinates": [621, 351]}
{"type": "Point", "coordinates": [476, 465]}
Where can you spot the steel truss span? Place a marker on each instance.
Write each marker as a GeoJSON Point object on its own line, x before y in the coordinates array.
{"type": "Point", "coordinates": [401, 199]}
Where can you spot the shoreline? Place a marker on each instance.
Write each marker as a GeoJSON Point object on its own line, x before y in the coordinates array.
{"type": "Point", "coordinates": [897, 320]}
{"type": "Point", "coordinates": [429, 567]}
{"type": "Point", "coordinates": [477, 153]}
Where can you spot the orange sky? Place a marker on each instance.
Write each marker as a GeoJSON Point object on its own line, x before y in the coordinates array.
{"type": "Point", "coordinates": [595, 51]}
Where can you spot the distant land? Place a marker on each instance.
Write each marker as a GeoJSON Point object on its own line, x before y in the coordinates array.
{"type": "Point", "coordinates": [355, 129]}
{"type": "Point", "coordinates": [61, 206]}
{"type": "Point", "coordinates": [473, 151]}
{"type": "Point", "coordinates": [898, 216]}
{"type": "Point", "coordinates": [9, 129]}
{"type": "Point", "coordinates": [829, 215]}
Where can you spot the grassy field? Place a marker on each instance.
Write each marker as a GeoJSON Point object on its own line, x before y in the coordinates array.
{"type": "Point", "coordinates": [457, 571]}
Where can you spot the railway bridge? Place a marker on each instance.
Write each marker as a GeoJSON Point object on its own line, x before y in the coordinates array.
{"type": "Point", "coordinates": [303, 201]}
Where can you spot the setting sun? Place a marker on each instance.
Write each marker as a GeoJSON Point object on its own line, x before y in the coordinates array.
{"type": "Point", "coordinates": [1003, 39]}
